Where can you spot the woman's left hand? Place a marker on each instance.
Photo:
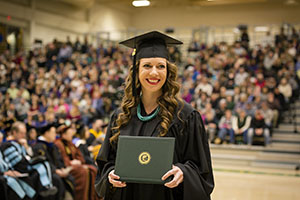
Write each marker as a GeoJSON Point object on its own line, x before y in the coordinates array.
{"type": "Point", "coordinates": [177, 179]}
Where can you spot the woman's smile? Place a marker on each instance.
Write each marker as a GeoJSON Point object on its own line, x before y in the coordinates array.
{"type": "Point", "coordinates": [153, 81]}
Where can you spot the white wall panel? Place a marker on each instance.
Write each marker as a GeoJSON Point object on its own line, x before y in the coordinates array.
{"type": "Point", "coordinates": [61, 9]}
{"type": "Point", "coordinates": [46, 20]}
{"type": "Point", "coordinates": [108, 19]}
{"type": "Point", "coordinates": [215, 16]}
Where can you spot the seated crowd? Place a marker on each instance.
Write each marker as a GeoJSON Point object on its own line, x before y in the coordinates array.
{"type": "Point", "coordinates": [56, 100]}
{"type": "Point", "coordinates": [243, 93]}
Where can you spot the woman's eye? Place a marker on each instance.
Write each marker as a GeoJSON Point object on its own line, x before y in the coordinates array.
{"type": "Point", "coordinates": [161, 66]}
{"type": "Point", "coordinates": [147, 66]}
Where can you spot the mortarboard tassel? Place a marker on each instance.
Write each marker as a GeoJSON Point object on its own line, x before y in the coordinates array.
{"type": "Point", "coordinates": [134, 73]}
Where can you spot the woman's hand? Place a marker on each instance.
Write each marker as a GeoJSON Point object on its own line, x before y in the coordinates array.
{"type": "Point", "coordinates": [113, 179]}
{"type": "Point", "coordinates": [75, 162]}
{"type": "Point", "coordinates": [61, 173]}
{"type": "Point", "coordinates": [177, 179]}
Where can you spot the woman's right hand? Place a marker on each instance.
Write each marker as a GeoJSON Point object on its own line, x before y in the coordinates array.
{"type": "Point", "coordinates": [75, 162]}
{"type": "Point", "coordinates": [113, 179]}
{"type": "Point", "coordinates": [61, 173]}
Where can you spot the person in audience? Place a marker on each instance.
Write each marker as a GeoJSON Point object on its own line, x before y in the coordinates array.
{"type": "Point", "coordinates": [241, 76]}
{"type": "Point", "coordinates": [225, 128]}
{"type": "Point", "coordinates": [13, 90]}
{"type": "Point", "coordinates": [32, 136]}
{"type": "Point", "coordinates": [236, 95]}
{"type": "Point", "coordinates": [215, 100]}
{"type": "Point", "coordinates": [74, 113]}
{"type": "Point", "coordinates": [285, 88]}
{"type": "Point", "coordinates": [256, 104]}
{"type": "Point", "coordinates": [202, 102]}
{"type": "Point", "coordinates": [240, 125]}
{"type": "Point", "coordinates": [268, 40]}
{"type": "Point", "coordinates": [245, 38]}
{"type": "Point", "coordinates": [96, 135]}
{"type": "Point", "coordinates": [229, 102]}
{"type": "Point", "coordinates": [204, 86]}
{"type": "Point", "coordinates": [269, 60]}
{"type": "Point", "coordinates": [11, 187]}
{"type": "Point", "coordinates": [208, 109]}
{"type": "Point", "coordinates": [186, 95]}
{"type": "Point", "coordinates": [44, 146]}
{"type": "Point", "coordinates": [83, 174]}
{"type": "Point", "coordinates": [220, 110]}
{"type": "Point", "coordinates": [81, 143]}
{"type": "Point", "coordinates": [211, 125]}
{"type": "Point", "coordinates": [258, 128]}
{"type": "Point", "coordinates": [22, 108]}
{"type": "Point", "coordinates": [260, 81]}
{"type": "Point", "coordinates": [238, 49]}
{"type": "Point", "coordinates": [36, 173]}
{"type": "Point", "coordinates": [241, 104]}
{"type": "Point", "coordinates": [264, 93]}
{"type": "Point", "coordinates": [276, 108]}
{"type": "Point", "coordinates": [268, 115]}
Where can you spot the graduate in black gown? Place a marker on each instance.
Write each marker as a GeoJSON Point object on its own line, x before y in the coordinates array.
{"type": "Point", "coordinates": [152, 107]}
{"type": "Point", "coordinates": [45, 146]}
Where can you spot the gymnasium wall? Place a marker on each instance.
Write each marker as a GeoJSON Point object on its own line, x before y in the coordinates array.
{"type": "Point", "coordinates": [219, 20]}
{"type": "Point", "coordinates": [46, 20]}
{"type": "Point", "coordinates": [192, 17]}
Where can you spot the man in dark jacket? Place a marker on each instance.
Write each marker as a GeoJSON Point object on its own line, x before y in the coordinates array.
{"type": "Point", "coordinates": [258, 128]}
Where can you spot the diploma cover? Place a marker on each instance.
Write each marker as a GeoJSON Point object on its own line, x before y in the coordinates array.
{"type": "Point", "coordinates": [144, 159]}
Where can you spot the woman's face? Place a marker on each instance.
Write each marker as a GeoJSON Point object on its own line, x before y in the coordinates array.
{"type": "Point", "coordinates": [32, 134]}
{"type": "Point", "coordinates": [152, 74]}
{"type": "Point", "coordinates": [68, 135]}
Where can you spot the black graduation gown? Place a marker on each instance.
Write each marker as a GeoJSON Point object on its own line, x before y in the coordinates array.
{"type": "Point", "coordinates": [21, 166]}
{"type": "Point", "coordinates": [192, 156]}
{"type": "Point", "coordinates": [86, 154]}
{"type": "Point", "coordinates": [50, 151]}
{"type": "Point", "coordinates": [53, 156]}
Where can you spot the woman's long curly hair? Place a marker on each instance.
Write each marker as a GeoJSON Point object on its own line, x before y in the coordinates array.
{"type": "Point", "coordinates": [168, 101]}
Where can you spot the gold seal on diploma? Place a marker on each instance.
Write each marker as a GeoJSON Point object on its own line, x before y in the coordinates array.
{"type": "Point", "coordinates": [144, 158]}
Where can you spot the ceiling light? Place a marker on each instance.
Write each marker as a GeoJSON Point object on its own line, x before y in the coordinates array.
{"type": "Point", "coordinates": [290, 2]}
{"type": "Point", "coordinates": [140, 3]}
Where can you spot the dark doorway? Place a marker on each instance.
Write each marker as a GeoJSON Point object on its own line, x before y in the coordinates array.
{"type": "Point", "coordinates": [11, 38]}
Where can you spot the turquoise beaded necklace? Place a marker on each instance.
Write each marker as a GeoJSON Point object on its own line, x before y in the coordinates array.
{"type": "Point", "coordinates": [147, 118]}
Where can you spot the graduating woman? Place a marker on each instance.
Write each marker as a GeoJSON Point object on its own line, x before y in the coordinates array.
{"type": "Point", "coordinates": [151, 106]}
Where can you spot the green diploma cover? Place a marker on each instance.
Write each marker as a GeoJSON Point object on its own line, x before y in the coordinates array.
{"type": "Point", "coordinates": [144, 159]}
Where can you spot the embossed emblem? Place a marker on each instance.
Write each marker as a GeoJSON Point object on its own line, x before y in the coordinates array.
{"type": "Point", "coordinates": [144, 158]}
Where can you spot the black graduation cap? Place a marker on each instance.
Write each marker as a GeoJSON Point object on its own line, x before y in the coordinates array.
{"type": "Point", "coordinates": [149, 45]}
{"type": "Point", "coordinates": [42, 130]}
